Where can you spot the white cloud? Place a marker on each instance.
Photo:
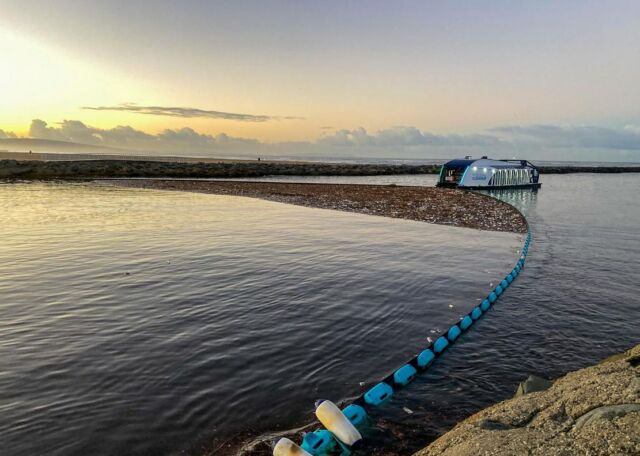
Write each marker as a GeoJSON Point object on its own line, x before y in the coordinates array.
{"type": "Point", "coordinates": [7, 134]}
{"type": "Point", "coordinates": [186, 112]}
{"type": "Point", "coordinates": [406, 137]}
{"type": "Point", "coordinates": [536, 142]}
{"type": "Point", "coordinates": [571, 136]}
{"type": "Point", "coordinates": [181, 140]}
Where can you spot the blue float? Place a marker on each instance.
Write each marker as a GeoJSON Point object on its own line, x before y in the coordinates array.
{"type": "Point", "coordinates": [498, 290]}
{"type": "Point", "coordinates": [440, 344]}
{"type": "Point", "coordinates": [492, 297]}
{"type": "Point", "coordinates": [466, 322]}
{"type": "Point", "coordinates": [425, 358]}
{"type": "Point", "coordinates": [453, 333]}
{"type": "Point", "coordinates": [378, 394]}
{"type": "Point", "coordinates": [509, 278]}
{"type": "Point", "coordinates": [476, 312]}
{"type": "Point", "coordinates": [356, 414]}
{"type": "Point", "coordinates": [485, 305]}
{"type": "Point", "coordinates": [404, 375]}
{"type": "Point", "coordinates": [504, 284]}
{"type": "Point", "coordinates": [319, 443]}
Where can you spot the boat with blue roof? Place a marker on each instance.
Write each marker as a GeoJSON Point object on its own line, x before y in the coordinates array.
{"type": "Point", "coordinates": [486, 173]}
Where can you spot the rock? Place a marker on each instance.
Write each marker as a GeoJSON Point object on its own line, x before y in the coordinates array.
{"type": "Point", "coordinates": [607, 412]}
{"type": "Point", "coordinates": [593, 411]}
{"type": "Point", "coordinates": [533, 384]}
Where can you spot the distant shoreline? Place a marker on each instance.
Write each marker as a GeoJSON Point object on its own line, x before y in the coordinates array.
{"type": "Point", "coordinates": [219, 168]}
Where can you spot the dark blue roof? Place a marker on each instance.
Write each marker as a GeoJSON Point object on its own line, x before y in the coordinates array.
{"type": "Point", "coordinates": [458, 164]}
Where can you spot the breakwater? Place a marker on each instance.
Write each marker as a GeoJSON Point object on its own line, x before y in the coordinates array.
{"type": "Point", "coordinates": [91, 169]}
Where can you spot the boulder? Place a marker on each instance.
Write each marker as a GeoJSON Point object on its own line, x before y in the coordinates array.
{"type": "Point", "coordinates": [593, 411]}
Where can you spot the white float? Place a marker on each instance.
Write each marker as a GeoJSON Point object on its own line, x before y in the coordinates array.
{"type": "Point", "coordinates": [286, 447]}
{"type": "Point", "coordinates": [337, 423]}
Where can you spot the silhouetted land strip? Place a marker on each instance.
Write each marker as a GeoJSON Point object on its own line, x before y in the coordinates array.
{"type": "Point", "coordinates": [427, 204]}
{"type": "Point", "coordinates": [90, 169]}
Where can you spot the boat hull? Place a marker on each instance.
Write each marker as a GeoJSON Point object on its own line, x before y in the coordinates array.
{"type": "Point", "coordinates": [535, 185]}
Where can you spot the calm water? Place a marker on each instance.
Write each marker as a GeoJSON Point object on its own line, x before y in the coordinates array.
{"type": "Point", "coordinates": [142, 322]}
{"type": "Point", "coordinates": [145, 322]}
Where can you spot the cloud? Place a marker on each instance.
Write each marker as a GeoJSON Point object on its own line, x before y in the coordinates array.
{"type": "Point", "coordinates": [178, 140]}
{"type": "Point", "coordinates": [7, 134]}
{"type": "Point", "coordinates": [188, 112]}
{"type": "Point", "coordinates": [571, 136]}
{"type": "Point", "coordinates": [536, 142]}
{"type": "Point", "coordinates": [405, 137]}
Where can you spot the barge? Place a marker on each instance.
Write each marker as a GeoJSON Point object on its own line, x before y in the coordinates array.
{"type": "Point", "coordinates": [486, 173]}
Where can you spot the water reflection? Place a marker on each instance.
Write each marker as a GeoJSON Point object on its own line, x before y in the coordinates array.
{"type": "Point", "coordinates": [147, 322]}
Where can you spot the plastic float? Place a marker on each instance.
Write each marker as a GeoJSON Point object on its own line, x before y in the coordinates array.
{"type": "Point", "coordinates": [319, 443]}
{"type": "Point", "coordinates": [337, 423]}
{"type": "Point", "coordinates": [440, 344]}
{"type": "Point", "coordinates": [342, 425]}
{"type": "Point", "coordinates": [404, 375]}
{"type": "Point", "coordinates": [285, 447]}
{"type": "Point", "coordinates": [466, 322]}
{"type": "Point", "coordinates": [378, 394]}
{"type": "Point", "coordinates": [453, 333]}
{"type": "Point", "coordinates": [425, 358]}
{"type": "Point", "coordinates": [356, 414]}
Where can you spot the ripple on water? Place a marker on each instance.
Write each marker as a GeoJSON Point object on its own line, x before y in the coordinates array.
{"type": "Point", "coordinates": [144, 322]}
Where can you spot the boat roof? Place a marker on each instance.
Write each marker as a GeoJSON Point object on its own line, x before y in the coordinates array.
{"type": "Point", "coordinates": [487, 162]}
{"type": "Point", "coordinates": [458, 163]}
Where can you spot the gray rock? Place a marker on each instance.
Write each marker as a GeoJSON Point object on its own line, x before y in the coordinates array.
{"type": "Point", "coordinates": [533, 384]}
{"type": "Point", "coordinates": [607, 412]}
{"type": "Point", "coordinates": [594, 411]}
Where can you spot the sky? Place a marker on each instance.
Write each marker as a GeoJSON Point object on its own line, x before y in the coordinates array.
{"type": "Point", "coordinates": [402, 79]}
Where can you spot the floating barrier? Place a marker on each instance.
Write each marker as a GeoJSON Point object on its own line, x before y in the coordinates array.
{"type": "Point", "coordinates": [466, 322]}
{"type": "Point", "coordinates": [319, 443]}
{"type": "Point", "coordinates": [342, 425]}
{"type": "Point", "coordinates": [440, 344]}
{"type": "Point", "coordinates": [378, 394]}
{"type": "Point", "coordinates": [356, 414]}
{"type": "Point", "coordinates": [404, 375]}
{"type": "Point", "coordinates": [425, 358]}
{"type": "Point", "coordinates": [337, 423]}
{"type": "Point", "coordinates": [453, 333]}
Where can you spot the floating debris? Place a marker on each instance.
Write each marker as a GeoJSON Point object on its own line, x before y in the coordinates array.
{"type": "Point", "coordinates": [441, 206]}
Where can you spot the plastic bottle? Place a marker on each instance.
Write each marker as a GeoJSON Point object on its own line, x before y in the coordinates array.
{"type": "Point", "coordinates": [334, 420]}
{"type": "Point", "coordinates": [285, 447]}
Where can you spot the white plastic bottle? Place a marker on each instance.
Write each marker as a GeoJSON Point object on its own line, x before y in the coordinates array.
{"type": "Point", "coordinates": [286, 447]}
{"type": "Point", "coordinates": [335, 421]}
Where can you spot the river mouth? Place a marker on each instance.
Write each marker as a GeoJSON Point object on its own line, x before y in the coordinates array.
{"type": "Point", "coordinates": [134, 312]}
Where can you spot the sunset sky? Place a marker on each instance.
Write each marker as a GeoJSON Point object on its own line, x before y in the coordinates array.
{"type": "Point", "coordinates": [551, 79]}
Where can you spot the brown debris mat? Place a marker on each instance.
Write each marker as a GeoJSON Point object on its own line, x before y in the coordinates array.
{"type": "Point", "coordinates": [427, 204]}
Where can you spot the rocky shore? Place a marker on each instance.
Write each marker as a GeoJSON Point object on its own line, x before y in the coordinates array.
{"type": "Point", "coordinates": [90, 169]}
{"type": "Point", "coordinates": [592, 411]}
{"type": "Point", "coordinates": [428, 204]}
